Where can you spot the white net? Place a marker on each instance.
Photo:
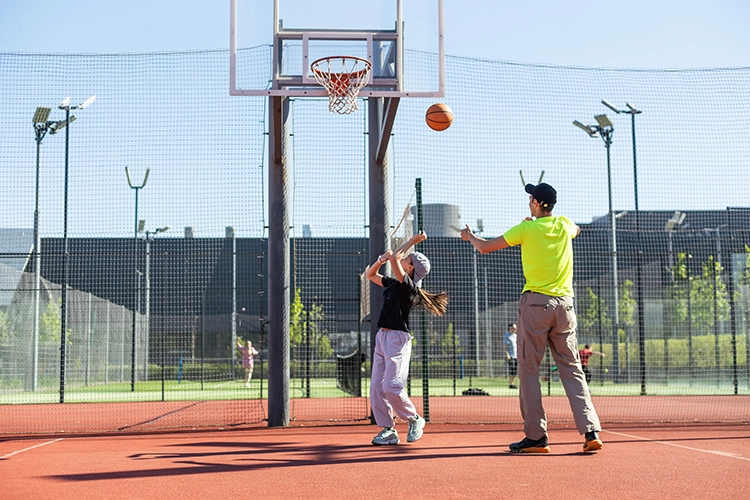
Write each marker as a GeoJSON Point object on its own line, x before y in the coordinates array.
{"type": "Point", "coordinates": [343, 77]}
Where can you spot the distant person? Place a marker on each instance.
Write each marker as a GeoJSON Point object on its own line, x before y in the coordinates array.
{"type": "Point", "coordinates": [248, 359]}
{"type": "Point", "coordinates": [546, 317]}
{"type": "Point", "coordinates": [511, 356]}
{"type": "Point", "coordinates": [390, 362]}
{"type": "Point", "coordinates": [585, 354]}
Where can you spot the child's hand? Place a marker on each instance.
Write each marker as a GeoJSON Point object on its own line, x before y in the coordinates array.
{"type": "Point", "coordinates": [387, 255]}
{"type": "Point", "coordinates": [420, 237]}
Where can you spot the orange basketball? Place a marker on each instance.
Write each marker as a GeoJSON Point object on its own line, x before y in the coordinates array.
{"type": "Point", "coordinates": [439, 117]}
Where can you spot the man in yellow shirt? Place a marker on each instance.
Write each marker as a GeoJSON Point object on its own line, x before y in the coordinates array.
{"type": "Point", "coordinates": [546, 317]}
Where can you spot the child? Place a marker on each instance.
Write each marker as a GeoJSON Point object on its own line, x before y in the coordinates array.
{"type": "Point", "coordinates": [248, 360]}
{"type": "Point", "coordinates": [390, 363]}
{"type": "Point", "coordinates": [585, 354]}
{"type": "Point", "coordinates": [510, 340]}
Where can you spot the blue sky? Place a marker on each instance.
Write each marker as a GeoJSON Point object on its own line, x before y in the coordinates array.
{"type": "Point", "coordinates": [632, 33]}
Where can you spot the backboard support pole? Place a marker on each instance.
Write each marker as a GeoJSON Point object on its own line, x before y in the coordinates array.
{"type": "Point", "coordinates": [278, 262]}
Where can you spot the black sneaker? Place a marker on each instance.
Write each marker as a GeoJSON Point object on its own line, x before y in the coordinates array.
{"type": "Point", "coordinates": [527, 445]}
{"type": "Point", "coordinates": [593, 443]}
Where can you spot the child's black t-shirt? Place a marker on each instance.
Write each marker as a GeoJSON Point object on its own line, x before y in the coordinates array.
{"type": "Point", "coordinates": [398, 300]}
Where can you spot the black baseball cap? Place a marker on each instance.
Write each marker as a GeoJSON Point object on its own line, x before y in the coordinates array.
{"type": "Point", "coordinates": [543, 193]}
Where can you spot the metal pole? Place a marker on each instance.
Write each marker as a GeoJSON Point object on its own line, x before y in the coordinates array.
{"type": "Point", "coordinates": [639, 271]}
{"type": "Point", "coordinates": [147, 319]}
{"type": "Point", "coordinates": [379, 209]}
{"type": "Point", "coordinates": [234, 301]}
{"type": "Point", "coordinates": [488, 325]}
{"type": "Point", "coordinates": [135, 295]}
{"type": "Point", "coordinates": [716, 263]}
{"type": "Point", "coordinates": [423, 321]}
{"type": "Point", "coordinates": [691, 358]}
{"type": "Point", "coordinates": [278, 263]}
{"type": "Point", "coordinates": [732, 317]}
{"type": "Point", "coordinates": [64, 285]}
{"type": "Point", "coordinates": [37, 270]}
{"type": "Point", "coordinates": [476, 315]}
{"type": "Point", "coordinates": [607, 135]}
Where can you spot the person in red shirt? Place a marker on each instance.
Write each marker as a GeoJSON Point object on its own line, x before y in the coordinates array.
{"type": "Point", "coordinates": [585, 354]}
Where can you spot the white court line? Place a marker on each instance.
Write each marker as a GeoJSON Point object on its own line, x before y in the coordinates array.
{"type": "Point", "coordinates": [30, 448]}
{"type": "Point", "coordinates": [713, 452]}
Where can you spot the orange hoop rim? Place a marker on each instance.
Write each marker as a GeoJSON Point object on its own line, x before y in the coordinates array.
{"type": "Point", "coordinates": [352, 75]}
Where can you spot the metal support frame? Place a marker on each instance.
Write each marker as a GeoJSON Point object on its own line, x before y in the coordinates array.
{"type": "Point", "coordinates": [380, 199]}
{"type": "Point", "coordinates": [278, 263]}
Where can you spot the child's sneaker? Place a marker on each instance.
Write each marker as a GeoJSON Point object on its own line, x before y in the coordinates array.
{"type": "Point", "coordinates": [415, 429]}
{"type": "Point", "coordinates": [593, 443]}
{"type": "Point", "coordinates": [527, 445]}
{"type": "Point", "coordinates": [387, 436]}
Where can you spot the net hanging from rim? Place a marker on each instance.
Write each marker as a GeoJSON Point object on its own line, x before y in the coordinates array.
{"type": "Point", "coordinates": [343, 77]}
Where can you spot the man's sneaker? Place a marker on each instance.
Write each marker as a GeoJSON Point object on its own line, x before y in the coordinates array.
{"type": "Point", "coordinates": [387, 436]}
{"type": "Point", "coordinates": [593, 443]}
{"type": "Point", "coordinates": [527, 445]}
{"type": "Point", "coordinates": [511, 386]}
{"type": "Point", "coordinates": [415, 429]}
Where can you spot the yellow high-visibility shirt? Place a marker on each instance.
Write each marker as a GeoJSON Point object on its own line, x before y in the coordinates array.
{"type": "Point", "coordinates": [546, 254]}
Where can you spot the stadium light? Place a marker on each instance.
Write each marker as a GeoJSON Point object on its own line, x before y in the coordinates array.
{"type": "Point", "coordinates": [65, 106]}
{"type": "Point", "coordinates": [42, 125]}
{"type": "Point", "coordinates": [139, 225]}
{"type": "Point", "coordinates": [586, 128]}
{"type": "Point", "coordinates": [632, 111]}
{"type": "Point", "coordinates": [605, 129]}
{"type": "Point", "coordinates": [603, 120]}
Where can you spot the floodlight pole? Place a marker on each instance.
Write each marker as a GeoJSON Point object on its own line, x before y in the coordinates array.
{"type": "Point", "coordinates": [135, 270]}
{"type": "Point", "coordinates": [632, 111]}
{"type": "Point", "coordinates": [65, 106]}
{"type": "Point", "coordinates": [41, 126]}
{"type": "Point", "coordinates": [606, 132]}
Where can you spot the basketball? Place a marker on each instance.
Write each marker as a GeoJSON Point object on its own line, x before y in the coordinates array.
{"type": "Point", "coordinates": [439, 117]}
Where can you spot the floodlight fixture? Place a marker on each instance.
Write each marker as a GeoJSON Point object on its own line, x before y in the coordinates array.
{"type": "Point", "coordinates": [633, 110]}
{"type": "Point", "coordinates": [41, 115]}
{"type": "Point", "coordinates": [85, 104]}
{"type": "Point", "coordinates": [586, 128]}
{"type": "Point", "coordinates": [59, 125]}
{"type": "Point", "coordinates": [141, 225]}
{"type": "Point", "coordinates": [65, 102]}
{"type": "Point", "coordinates": [162, 229]}
{"type": "Point", "coordinates": [610, 106]}
{"type": "Point", "coordinates": [603, 120]}
{"type": "Point", "coordinates": [145, 179]}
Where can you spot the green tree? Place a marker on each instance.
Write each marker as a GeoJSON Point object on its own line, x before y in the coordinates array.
{"type": "Point", "coordinates": [626, 307]}
{"type": "Point", "coordinates": [677, 305]}
{"type": "Point", "coordinates": [704, 303]}
{"type": "Point", "coordinates": [299, 317]}
{"type": "Point", "coordinates": [448, 341]}
{"type": "Point", "coordinates": [49, 324]}
{"type": "Point", "coordinates": [595, 310]}
{"type": "Point", "coordinates": [4, 329]}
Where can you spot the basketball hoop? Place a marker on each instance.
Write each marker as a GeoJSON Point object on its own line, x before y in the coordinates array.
{"type": "Point", "coordinates": [343, 77]}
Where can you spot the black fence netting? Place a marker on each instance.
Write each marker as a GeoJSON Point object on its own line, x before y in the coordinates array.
{"type": "Point", "coordinates": [148, 333]}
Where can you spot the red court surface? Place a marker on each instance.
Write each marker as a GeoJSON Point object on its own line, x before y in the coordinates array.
{"type": "Point", "coordinates": [450, 461]}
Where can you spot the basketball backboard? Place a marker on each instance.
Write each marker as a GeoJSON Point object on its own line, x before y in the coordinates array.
{"type": "Point", "coordinates": [294, 33]}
